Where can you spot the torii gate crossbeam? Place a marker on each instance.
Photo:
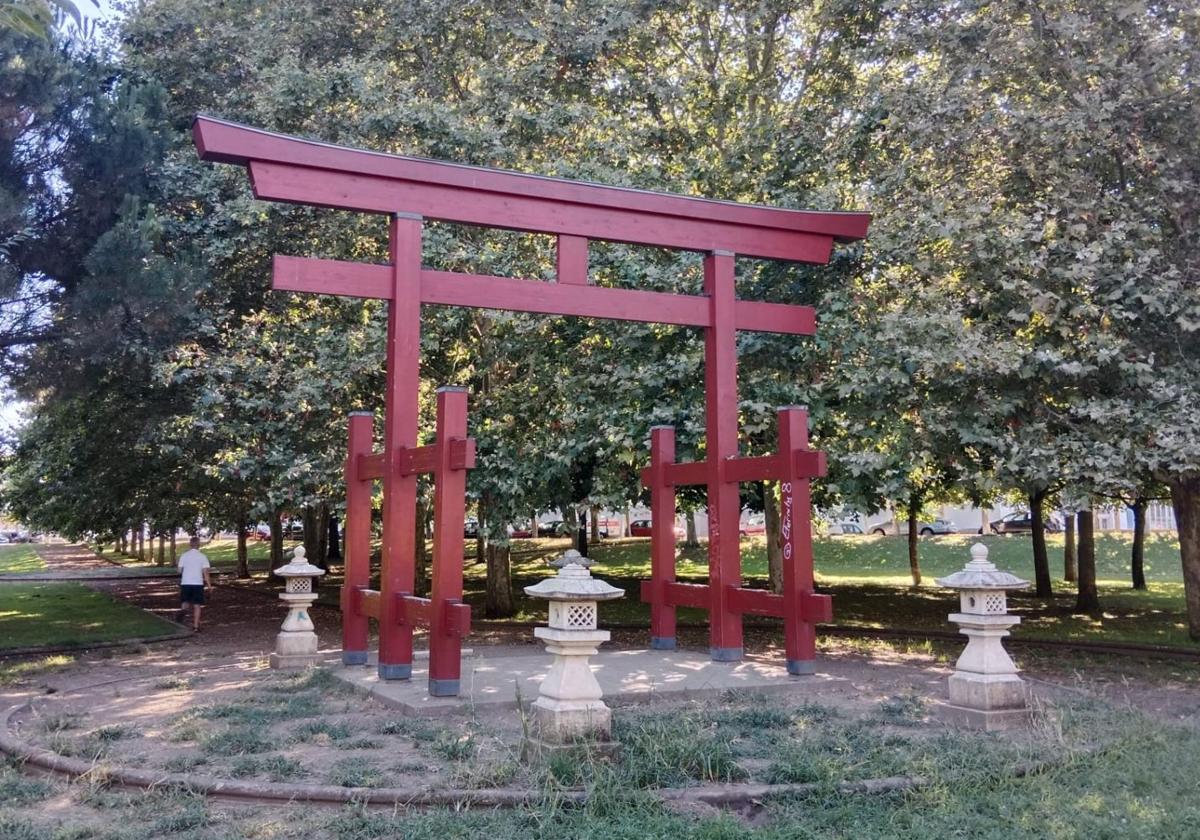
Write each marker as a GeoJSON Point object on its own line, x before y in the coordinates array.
{"type": "Point", "coordinates": [411, 190]}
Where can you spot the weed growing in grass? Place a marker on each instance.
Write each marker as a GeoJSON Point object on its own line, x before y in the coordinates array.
{"type": "Point", "coordinates": [902, 710]}
{"type": "Point", "coordinates": [320, 732]}
{"type": "Point", "coordinates": [83, 747]}
{"type": "Point", "coordinates": [279, 768]}
{"type": "Point", "coordinates": [15, 828]}
{"type": "Point", "coordinates": [453, 747]}
{"type": "Point", "coordinates": [185, 811]}
{"type": "Point", "coordinates": [665, 752]}
{"type": "Point", "coordinates": [244, 766]}
{"type": "Point", "coordinates": [176, 683]}
{"type": "Point", "coordinates": [419, 730]}
{"type": "Point", "coordinates": [486, 774]}
{"type": "Point", "coordinates": [360, 744]}
{"type": "Point", "coordinates": [237, 741]}
{"type": "Point", "coordinates": [18, 789]}
{"type": "Point", "coordinates": [60, 722]}
{"type": "Point", "coordinates": [111, 733]}
{"type": "Point", "coordinates": [354, 772]}
{"type": "Point", "coordinates": [184, 763]}
{"type": "Point", "coordinates": [188, 729]}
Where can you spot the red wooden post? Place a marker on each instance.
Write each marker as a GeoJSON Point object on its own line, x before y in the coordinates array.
{"type": "Point", "coordinates": [662, 538]}
{"type": "Point", "coordinates": [724, 506]}
{"type": "Point", "coordinates": [802, 607]}
{"type": "Point", "coordinates": [358, 542]}
{"type": "Point", "coordinates": [398, 574]}
{"type": "Point", "coordinates": [449, 511]}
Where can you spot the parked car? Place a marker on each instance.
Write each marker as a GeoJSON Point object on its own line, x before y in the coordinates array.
{"type": "Point", "coordinates": [553, 528]}
{"type": "Point", "coordinates": [1020, 522]}
{"type": "Point", "coordinates": [755, 524]}
{"type": "Point", "coordinates": [471, 529]}
{"type": "Point", "coordinates": [925, 529]}
{"type": "Point", "coordinates": [845, 529]}
{"type": "Point", "coordinates": [643, 528]}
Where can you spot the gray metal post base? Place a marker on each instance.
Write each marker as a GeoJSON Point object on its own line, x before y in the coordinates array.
{"type": "Point", "coordinates": [801, 667]}
{"type": "Point", "coordinates": [662, 643]}
{"type": "Point", "coordinates": [354, 657]}
{"type": "Point", "coordinates": [718, 654]}
{"type": "Point", "coordinates": [443, 688]}
{"type": "Point", "coordinates": [395, 672]}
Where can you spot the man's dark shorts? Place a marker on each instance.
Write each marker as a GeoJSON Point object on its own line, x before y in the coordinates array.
{"type": "Point", "coordinates": [191, 594]}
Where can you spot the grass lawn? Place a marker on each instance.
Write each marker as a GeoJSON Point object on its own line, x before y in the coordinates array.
{"type": "Point", "coordinates": [69, 614]}
{"type": "Point", "coordinates": [1112, 772]}
{"type": "Point", "coordinates": [871, 587]}
{"type": "Point", "coordinates": [20, 557]}
{"type": "Point", "coordinates": [222, 553]}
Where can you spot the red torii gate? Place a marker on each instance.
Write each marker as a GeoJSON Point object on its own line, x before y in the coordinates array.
{"type": "Point", "coordinates": [409, 190]}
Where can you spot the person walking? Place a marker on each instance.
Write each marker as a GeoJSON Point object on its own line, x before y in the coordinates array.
{"type": "Point", "coordinates": [194, 581]}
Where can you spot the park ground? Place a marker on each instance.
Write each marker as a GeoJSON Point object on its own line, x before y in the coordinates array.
{"type": "Point", "coordinates": [1115, 750]}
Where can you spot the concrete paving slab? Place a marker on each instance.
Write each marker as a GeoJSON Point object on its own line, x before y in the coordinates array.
{"type": "Point", "coordinates": [496, 678]}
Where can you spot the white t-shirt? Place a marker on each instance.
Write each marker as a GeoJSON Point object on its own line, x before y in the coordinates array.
{"type": "Point", "coordinates": [191, 565]}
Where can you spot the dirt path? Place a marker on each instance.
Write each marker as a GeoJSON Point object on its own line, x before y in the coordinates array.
{"type": "Point", "coordinates": [239, 628]}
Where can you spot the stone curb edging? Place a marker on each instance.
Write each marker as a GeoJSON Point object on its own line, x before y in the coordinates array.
{"type": "Point", "coordinates": [74, 768]}
{"type": "Point", "coordinates": [84, 648]}
{"type": "Point", "coordinates": [727, 795]}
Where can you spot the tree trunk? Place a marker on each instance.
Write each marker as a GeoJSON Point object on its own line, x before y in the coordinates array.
{"type": "Point", "coordinates": [243, 554]}
{"type": "Point", "coordinates": [310, 520]}
{"type": "Point", "coordinates": [1069, 569]}
{"type": "Point", "coordinates": [625, 532]}
{"type": "Point", "coordinates": [1138, 557]}
{"type": "Point", "coordinates": [1041, 560]}
{"type": "Point", "coordinates": [499, 601]}
{"type": "Point", "coordinates": [174, 552]}
{"type": "Point", "coordinates": [335, 538]}
{"type": "Point", "coordinates": [914, 560]}
{"type": "Point", "coordinates": [141, 542]}
{"type": "Point", "coordinates": [121, 543]}
{"type": "Point", "coordinates": [691, 540]}
{"type": "Point", "coordinates": [595, 523]}
{"type": "Point", "coordinates": [1088, 600]}
{"type": "Point", "coordinates": [480, 539]}
{"type": "Point", "coordinates": [162, 550]}
{"type": "Point", "coordinates": [533, 534]}
{"type": "Point", "coordinates": [421, 582]}
{"type": "Point", "coordinates": [276, 555]}
{"type": "Point", "coordinates": [1185, 498]}
{"type": "Point", "coordinates": [774, 549]}
{"type": "Point", "coordinates": [323, 535]}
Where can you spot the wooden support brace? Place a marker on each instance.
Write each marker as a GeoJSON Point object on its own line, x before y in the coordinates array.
{"type": "Point", "coordinates": [368, 602]}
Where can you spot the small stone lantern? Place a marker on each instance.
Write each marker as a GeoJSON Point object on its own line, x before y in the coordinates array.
{"type": "Point", "coordinates": [985, 691]}
{"type": "Point", "coordinates": [296, 644]}
{"type": "Point", "coordinates": [571, 556]}
{"type": "Point", "coordinates": [569, 707]}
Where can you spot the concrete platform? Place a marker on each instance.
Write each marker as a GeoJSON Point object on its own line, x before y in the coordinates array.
{"type": "Point", "coordinates": [496, 678]}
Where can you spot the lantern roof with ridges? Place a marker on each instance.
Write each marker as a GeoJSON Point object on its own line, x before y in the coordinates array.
{"type": "Point", "coordinates": [981, 573]}
{"type": "Point", "coordinates": [299, 566]}
{"type": "Point", "coordinates": [574, 583]}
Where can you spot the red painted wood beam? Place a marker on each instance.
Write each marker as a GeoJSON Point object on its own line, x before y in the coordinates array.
{"type": "Point", "coordinates": [288, 168]}
{"type": "Point", "coordinates": [426, 459]}
{"type": "Point", "coordinates": [678, 594]}
{"type": "Point", "coordinates": [447, 288]}
{"type": "Point", "coordinates": [572, 260]}
{"type": "Point", "coordinates": [368, 602]}
{"type": "Point", "coordinates": [358, 542]}
{"type": "Point", "coordinates": [369, 467]}
{"type": "Point", "coordinates": [412, 611]}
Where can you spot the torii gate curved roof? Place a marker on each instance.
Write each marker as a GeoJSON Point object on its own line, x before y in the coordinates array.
{"type": "Point", "coordinates": [291, 169]}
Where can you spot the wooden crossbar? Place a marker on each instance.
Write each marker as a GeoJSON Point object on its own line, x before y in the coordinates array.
{"type": "Point", "coordinates": [809, 464]}
{"type": "Point", "coordinates": [567, 297]}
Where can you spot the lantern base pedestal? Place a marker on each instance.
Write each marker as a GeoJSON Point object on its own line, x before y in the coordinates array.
{"type": "Point", "coordinates": [988, 692]}
{"type": "Point", "coordinates": [295, 650]}
{"type": "Point", "coordinates": [987, 720]}
{"type": "Point", "coordinates": [559, 722]}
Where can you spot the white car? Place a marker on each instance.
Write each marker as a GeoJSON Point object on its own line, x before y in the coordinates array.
{"type": "Point", "coordinates": [925, 529]}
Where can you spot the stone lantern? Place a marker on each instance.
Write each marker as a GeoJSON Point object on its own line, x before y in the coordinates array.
{"type": "Point", "coordinates": [985, 691]}
{"type": "Point", "coordinates": [296, 644]}
{"type": "Point", "coordinates": [571, 556]}
{"type": "Point", "coordinates": [569, 706]}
